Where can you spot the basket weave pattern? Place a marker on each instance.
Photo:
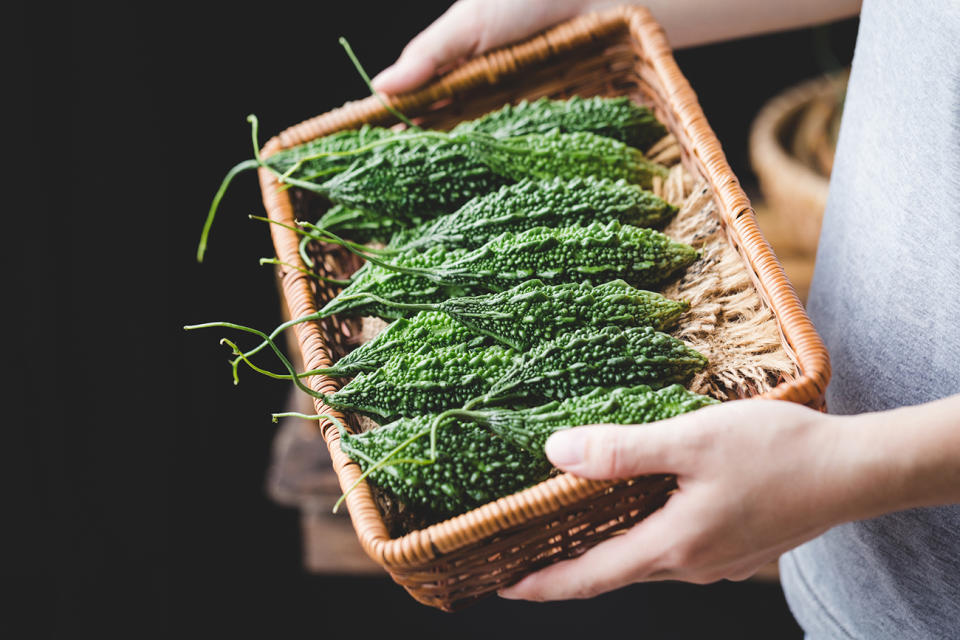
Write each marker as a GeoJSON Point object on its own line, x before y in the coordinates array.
{"type": "Point", "coordinates": [618, 52]}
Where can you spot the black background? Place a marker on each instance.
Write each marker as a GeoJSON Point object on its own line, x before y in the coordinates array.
{"type": "Point", "coordinates": [135, 469]}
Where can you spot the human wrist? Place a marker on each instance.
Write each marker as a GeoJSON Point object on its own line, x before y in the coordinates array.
{"type": "Point", "coordinates": [869, 480]}
{"type": "Point", "coordinates": [900, 459]}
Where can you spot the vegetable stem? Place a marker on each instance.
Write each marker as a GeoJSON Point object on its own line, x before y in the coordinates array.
{"type": "Point", "coordinates": [400, 137]}
{"type": "Point", "coordinates": [366, 79]}
{"type": "Point", "coordinates": [239, 168]}
{"type": "Point", "coordinates": [341, 428]}
{"type": "Point", "coordinates": [406, 306]}
{"type": "Point", "coordinates": [349, 243]}
{"type": "Point", "coordinates": [362, 251]}
{"type": "Point", "coordinates": [334, 281]}
{"type": "Point", "coordinates": [302, 250]}
{"type": "Point", "coordinates": [319, 315]}
{"type": "Point", "coordinates": [286, 363]}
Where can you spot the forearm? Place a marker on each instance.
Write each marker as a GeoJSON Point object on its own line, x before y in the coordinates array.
{"type": "Point", "coordinates": [693, 22]}
{"type": "Point", "coordinates": [899, 459]}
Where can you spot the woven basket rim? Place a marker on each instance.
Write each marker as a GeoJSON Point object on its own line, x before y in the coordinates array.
{"type": "Point", "coordinates": [767, 155]}
{"type": "Point", "coordinates": [509, 513]}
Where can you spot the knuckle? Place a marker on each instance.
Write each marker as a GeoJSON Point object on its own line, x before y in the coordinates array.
{"type": "Point", "coordinates": [604, 452]}
{"type": "Point", "coordinates": [703, 433]}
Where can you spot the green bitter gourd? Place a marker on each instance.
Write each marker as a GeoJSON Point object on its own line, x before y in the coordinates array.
{"type": "Point", "coordinates": [372, 281]}
{"type": "Point", "coordinates": [422, 175]}
{"type": "Point", "coordinates": [479, 456]}
{"type": "Point", "coordinates": [471, 467]}
{"type": "Point", "coordinates": [534, 203]}
{"type": "Point", "coordinates": [533, 312]}
{"type": "Point", "coordinates": [618, 118]}
{"type": "Point", "coordinates": [426, 381]}
{"type": "Point", "coordinates": [425, 331]}
{"type": "Point", "coordinates": [530, 428]}
{"type": "Point", "coordinates": [591, 357]}
{"type": "Point", "coordinates": [528, 314]}
{"type": "Point", "coordinates": [447, 378]}
{"type": "Point", "coordinates": [642, 257]}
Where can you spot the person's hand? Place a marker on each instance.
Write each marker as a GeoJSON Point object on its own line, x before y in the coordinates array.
{"type": "Point", "coordinates": [472, 27]}
{"type": "Point", "coordinates": [467, 29]}
{"type": "Point", "coordinates": [756, 478]}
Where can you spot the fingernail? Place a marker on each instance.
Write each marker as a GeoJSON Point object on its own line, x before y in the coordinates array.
{"type": "Point", "coordinates": [507, 594]}
{"type": "Point", "coordinates": [565, 448]}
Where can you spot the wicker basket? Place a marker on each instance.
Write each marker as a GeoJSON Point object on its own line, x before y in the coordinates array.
{"type": "Point", "coordinates": [792, 141]}
{"type": "Point", "coordinates": [619, 52]}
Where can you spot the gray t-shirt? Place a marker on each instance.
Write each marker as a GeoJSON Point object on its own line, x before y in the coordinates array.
{"type": "Point", "coordinates": [886, 299]}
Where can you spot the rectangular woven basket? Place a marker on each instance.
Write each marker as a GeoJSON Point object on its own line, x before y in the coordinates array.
{"type": "Point", "coordinates": [618, 52]}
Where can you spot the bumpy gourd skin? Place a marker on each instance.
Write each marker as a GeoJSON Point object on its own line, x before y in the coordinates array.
{"type": "Point", "coordinates": [617, 118]}
{"type": "Point", "coordinates": [426, 330]}
{"type": "Point", "coordinates": [531, 427]}
{"type": "Point", "coordinates": [395, 286]}
{"type": "Point", "coordinates": [485, 455]}
{"type": "Point", "coordinates": [420, 177]}
{"type": "Point", "coordinates": [521, 317]}
{"type": "Point", "coordinates": [596, 252]}
{"type": "Point", "coordinates": [472, 467]}
{"type": "Point", "coordinates": [413, 179]}
{"type": "Point", "coordinates": [426, 381]}
{"type": "Point", "coordinates": [599, 252]}
{"type": "Point", "coordinates": [564, 155]}
{"type": "Point", "coordinates": [533, 203]}
{"type": "Point", "coordinates": [532, 312]}
{"type": "Point", "coordinates": [590, 357]}
{"type": "Point", "coordinates": [335, 143]}
{"type": "Point", "coordinates": [361, 225]}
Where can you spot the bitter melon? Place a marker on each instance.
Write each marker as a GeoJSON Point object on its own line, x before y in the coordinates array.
{"type": "Point", "coordinates": [479, 456]}
{"type": "Point", "coordinates": [419, 176]}
{"type": "Point", "coordinates": [617, 118]}
{"type": "Point", "coordinates": [600, 252]}
{"type": "Point", "coordinates": [521, 317]}
{"type": "Point", "coordinates": [533, 312]}
{"type": "Point", "coordinates": [412, 179]}
{"type": "Point", "coordinates": [395, 286]}
{"type": "Point", "coordinates": [563, 155]}
{"type": "Point", "coordinates": [425, 381]}
{"type": "Point", "coordinates": [327, 154]}
{"type": "Point", "coordinates": [642, 257]}
{"type": "Point", "coordinates": [447, 378]}
{"type": "Point", "coordinates": [425, 331]}
{"type": "Point", "coordinates": [360, 225]}
{"type": "Point", "coordinates": [530, 428]}
{"type": "Point", "coordinates": [590, 357]}
{"type": "Point", "coordinates": [416, 175]}
{"type": "Point", "coordinates": [528, 314]}
{"type": "Point", "coordinates": [472, 466]}
{"type": "Point", "coordinates": [534, 203]}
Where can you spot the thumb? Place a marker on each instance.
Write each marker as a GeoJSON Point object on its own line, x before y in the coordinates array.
{"type": "Point", "coordinates": [607, 452]}
{"type": "Point", "coordinates": [452, 36]}
{"type": "Point", "coordinates": [469, 28]}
